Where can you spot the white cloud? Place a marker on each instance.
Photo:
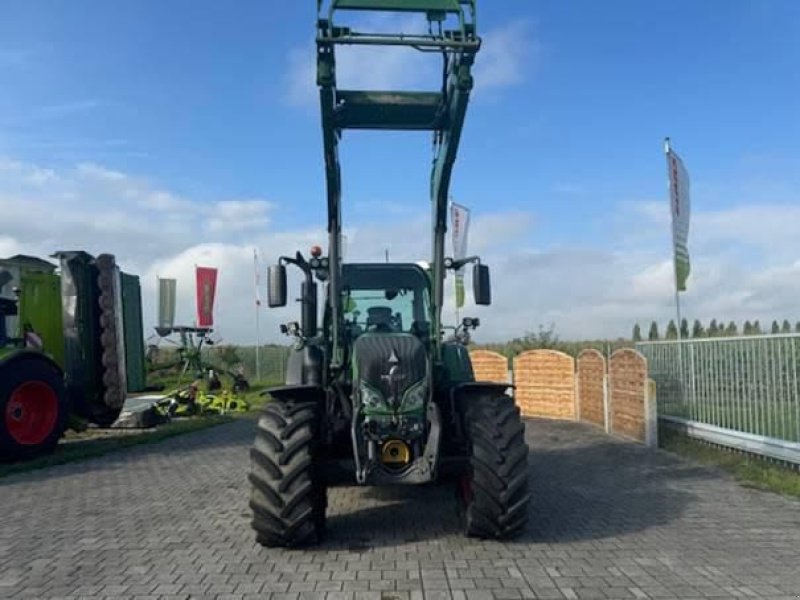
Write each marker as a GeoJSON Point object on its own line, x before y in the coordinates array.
{"type": "Point", "coordinates": [503, 61]}
{"type": "Point", "coordinates": [596, 289]}
{"type": "Point", "coordinates": [507, 56]}
{"type": "Point", "coordinates": [239, 215]}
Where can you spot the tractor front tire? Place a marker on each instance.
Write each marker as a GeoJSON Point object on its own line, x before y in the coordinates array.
{"type": "Point", "coordinates": [288, 494]}
{"type": "Point", "coordinates": [33, 408]}
{"type": "Point", "coordinates": [495, 486]}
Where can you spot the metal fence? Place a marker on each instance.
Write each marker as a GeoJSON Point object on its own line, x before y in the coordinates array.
{"type": "Point", "coordinates": [743, 390]}
{"type": "Point", "coordinates": [269, 368]}
{"type": "Point", "coordinates": [271, 365]}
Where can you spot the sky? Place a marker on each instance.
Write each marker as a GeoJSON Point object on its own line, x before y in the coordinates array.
{"type": "Point", "coordinates": [185, 132]}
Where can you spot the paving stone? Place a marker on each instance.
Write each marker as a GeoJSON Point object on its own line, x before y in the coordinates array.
{"type": "Point", "coordinates": [609, 519]}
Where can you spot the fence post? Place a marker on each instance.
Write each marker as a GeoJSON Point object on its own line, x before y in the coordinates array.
{"type": "Point", "coordinates": [650, 415]}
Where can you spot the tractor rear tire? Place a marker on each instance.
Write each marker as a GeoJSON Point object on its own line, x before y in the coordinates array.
{"type": "Point", "coordinates": [288, 494]}
{"type": "Point", "coordinates": [495, 487]}
{"type": "Point", "coordinates": [33, 408]}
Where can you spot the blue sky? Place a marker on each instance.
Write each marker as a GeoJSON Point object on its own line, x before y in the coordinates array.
{"type": "Point", "coordinates": [562, 152]}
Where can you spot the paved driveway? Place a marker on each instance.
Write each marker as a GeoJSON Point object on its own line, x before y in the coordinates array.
{"type": "Point", "coordinates": [609, 520]}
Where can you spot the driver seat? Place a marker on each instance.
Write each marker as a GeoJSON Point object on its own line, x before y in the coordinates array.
{"type": "Point", "coordinates": [379, 319]}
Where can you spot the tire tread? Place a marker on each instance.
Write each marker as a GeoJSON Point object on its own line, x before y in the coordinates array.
{"type": "Point", "coordinates": [498, 469]}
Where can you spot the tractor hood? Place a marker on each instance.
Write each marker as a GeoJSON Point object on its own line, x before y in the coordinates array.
{"type": "Point", "coordinates": [390, 373]}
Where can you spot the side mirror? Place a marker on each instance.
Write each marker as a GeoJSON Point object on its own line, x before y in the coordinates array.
{"type": "Point", "coordinates": [276, 286]}
{"type": "Point", "coordinates": [481, 285]}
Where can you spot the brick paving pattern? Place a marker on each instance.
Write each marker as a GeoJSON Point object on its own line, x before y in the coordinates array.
{"type": "Point", "coordinates": [609, 520]}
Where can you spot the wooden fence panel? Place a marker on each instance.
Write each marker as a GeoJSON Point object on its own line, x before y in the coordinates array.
{"type": "Point", "coordinates": [591, 387]}
{"type": "Point", "coordinates": [489, 366]}
{"type": "Point", "coordinates": [627, 394]}
{"type": "Point", "coordinates": [545, 384]}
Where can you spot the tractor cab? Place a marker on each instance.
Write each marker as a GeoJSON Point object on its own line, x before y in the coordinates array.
{"type": "Point", "coordinates": [29, 294]}
{"type": "Point", "coordinates": [385, 298]}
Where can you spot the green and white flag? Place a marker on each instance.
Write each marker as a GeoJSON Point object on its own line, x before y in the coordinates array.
{"type": "Point", "coordinates": [680, 207]}
{"type": "Point", "coordinates": [459, 217]}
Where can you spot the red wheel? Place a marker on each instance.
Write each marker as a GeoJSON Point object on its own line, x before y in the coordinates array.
{"type": "Point", "coordinates": [32, 413]}
{"type": "Point", "coordinates": [33, 406]}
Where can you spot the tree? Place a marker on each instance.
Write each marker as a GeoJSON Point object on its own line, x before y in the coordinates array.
{"type": "Point", "coordinates": [637, 333]}
{"type": "Point", "coordinates": [756, 328]}
{"type": "Point", "coordinates": [684, 329]}
{"type": "Point", "coordinates": [653, 333]}
{"type": "Point", "coordinates": [786, 327]}
{"type": "Point", "coordinates": [713, 328]}
{"type": "Point", "coordinates": [775, 329]}
{"type": "Point", "coordinates": [797, 327]}
{"type": "Point", "coordinates": [748, 328]}
{"type": "Point", "coordinates": [731, 330]}
{"type": "Point", "coordinates": [672, 331]}
{"type": "Point", "coordinates": [697, 329]}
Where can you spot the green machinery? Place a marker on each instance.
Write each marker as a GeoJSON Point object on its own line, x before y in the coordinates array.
{"type": "Point", "coordinates": [376, 389]}
{"type": "Point", "coordinates": [71, 347]}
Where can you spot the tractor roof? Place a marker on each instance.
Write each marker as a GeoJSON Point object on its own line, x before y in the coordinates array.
{"type": "Point", "coordinates": [28, 262]}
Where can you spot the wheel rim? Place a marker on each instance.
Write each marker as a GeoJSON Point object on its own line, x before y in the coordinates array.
{"type": "Point", "coordinates": [31, 413]}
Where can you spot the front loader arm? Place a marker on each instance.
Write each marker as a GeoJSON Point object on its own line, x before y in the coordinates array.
{"type": "Point", "coordinates": [459, 86]}
{"type": "Point", "coordinates": [441, 112]}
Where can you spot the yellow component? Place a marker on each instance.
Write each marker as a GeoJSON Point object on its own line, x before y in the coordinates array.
{"type": "Point", "coordinates": [395, 453]}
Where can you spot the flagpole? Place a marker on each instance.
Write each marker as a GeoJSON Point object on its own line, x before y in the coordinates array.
{"type": "Point", "coordinates": [258, 318]}
{"type": "Point", "coordinates": [195, 295]}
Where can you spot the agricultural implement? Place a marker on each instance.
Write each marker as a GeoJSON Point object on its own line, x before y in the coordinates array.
{"type": "Point", "coordinates": [376, 388]}
{"type": "Point", "coordinates": [190, 357]}
{"type": "Point", "coordinates": [71, 347]}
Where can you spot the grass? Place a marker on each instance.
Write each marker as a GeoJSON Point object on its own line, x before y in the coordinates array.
{"type": "Point", "coordinates": [77, 447]}
{"type": "Point", "coordinates": [749, 470]}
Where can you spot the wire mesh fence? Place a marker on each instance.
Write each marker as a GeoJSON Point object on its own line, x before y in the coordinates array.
{"type": "Point", "coordinates": [270, 367]}
{"type": "Point", "coordinates": [746, 384]}
{"type": "Point", "coordinates": [267, 366]}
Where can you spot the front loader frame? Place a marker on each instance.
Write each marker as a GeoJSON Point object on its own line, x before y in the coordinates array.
{"type": "Point", "coordinates": [441, 112]}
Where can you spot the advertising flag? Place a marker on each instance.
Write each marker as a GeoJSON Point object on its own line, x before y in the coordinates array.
{"type": "Point", "coordinates": [167, 289]}
{"type": "Point", "coordinates": [680, 207]}
{"type": "Point", "coordinates": [459, 216]}
{"type": "Point", "coordinates": [206, 289]}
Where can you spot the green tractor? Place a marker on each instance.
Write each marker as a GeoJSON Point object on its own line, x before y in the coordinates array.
{"type": "Point", "coordinates": [71, 346]}
{"type": "Point", "coordinates": [377, 389]}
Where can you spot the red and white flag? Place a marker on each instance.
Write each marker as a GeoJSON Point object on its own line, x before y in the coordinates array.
{"type": "Point", "coordinates": [206, 290]}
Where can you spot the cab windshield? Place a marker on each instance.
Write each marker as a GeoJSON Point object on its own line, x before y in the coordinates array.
{"type": "Point", "coordinates": [386, 299]}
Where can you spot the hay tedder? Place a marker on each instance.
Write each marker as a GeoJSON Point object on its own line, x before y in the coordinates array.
{"type": "Point", "coordinates": [375, 388]}
{"type": "Point", "coordinates": [71, 347]}
{"type": "Point", "coordinates": [199, 389]}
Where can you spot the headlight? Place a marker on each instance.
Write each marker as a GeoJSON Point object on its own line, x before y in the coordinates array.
{"type": "Point", "coordinates": [371, 398]}
{"type": "Point", "coordinates": [415, 397]}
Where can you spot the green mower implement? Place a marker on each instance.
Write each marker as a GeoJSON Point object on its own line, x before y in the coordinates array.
{"type": "Point", "coordinates": [63, 347]}
{"type": "Point", "coordinates": [376, 391]}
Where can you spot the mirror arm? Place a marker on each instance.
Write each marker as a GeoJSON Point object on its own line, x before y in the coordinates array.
{"type": "Point", "coordinates": [457, 264]}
